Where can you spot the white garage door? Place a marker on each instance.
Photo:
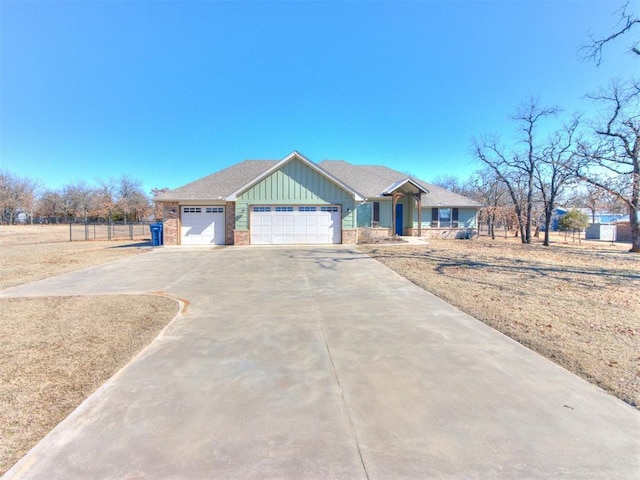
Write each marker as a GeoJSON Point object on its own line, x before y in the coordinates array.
{"type": "Point", "coordinates": [305, 224]}
{"type": "Point", "coordinates": [203, 226]}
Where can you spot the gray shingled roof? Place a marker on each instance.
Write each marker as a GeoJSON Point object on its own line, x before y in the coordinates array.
{"type": "Point", "coordinates": [370, 180]}
{"type": "Point", "coordinates": [220, 184]}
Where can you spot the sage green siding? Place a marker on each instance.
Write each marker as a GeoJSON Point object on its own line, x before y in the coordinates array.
{"type": "Point", "coordinates": [466, 217]}
{"type": "Point", "coordinates": [294, 184]}
{"type": "Point", "coordinates": [385, 212]}
{"type": "Point", "coordinates": [386, 217]}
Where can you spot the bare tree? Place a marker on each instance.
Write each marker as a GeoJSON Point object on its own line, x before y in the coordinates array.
{"type": "Point", "coordinates": [489, 190]}
{"type": "Point", "coordinates": [553, 171]}
{"type": "Point", "coordinates": [593, 198]}
{"type": "Point", "coordinates": [455, 185]}
{"type": "Point", "coordinates": [50, 205]}
{"type": "Point", "coordinates": [17, 195]}
{"type": "Point", "coordinates": [105, 199]}
{"type": "Point", "coordinates": [78, 200]}
{"type": "Point", "coordinates": [611, 161]}
{"type": "Point", "coordinates": [131, 199]}
{"type": "Point", "coordinates": [516, 167]}
{"type": "Point", "coordinates": [626, 23]}
{"type": "Point", "coordinates": [157, 207]}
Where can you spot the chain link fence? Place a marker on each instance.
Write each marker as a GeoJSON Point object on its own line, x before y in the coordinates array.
{"type": "Point", "coordinates": [109, 231]}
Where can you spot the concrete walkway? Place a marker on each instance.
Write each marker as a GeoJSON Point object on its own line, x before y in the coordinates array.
{"type": "Point", "coordinates": [320, 363]}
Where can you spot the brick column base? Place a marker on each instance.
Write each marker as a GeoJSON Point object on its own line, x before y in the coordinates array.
{"type": "Point", "coordinates": [349, 237]}
{"type": "Point", "coordinates": [241, 237]}
{"type": "Point", "coordinates": [229, 223]}
{"type": "Point", "coordinates": [171, 223]}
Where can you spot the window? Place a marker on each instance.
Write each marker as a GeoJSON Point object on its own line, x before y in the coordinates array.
{"type": "Point", "coordinates": [192, 210]}
{"type": "Point", "coordinates": [306, 209]}
{"type": "Point", "coordinates": [261, 209]}
{"type": "Point", "coordinates": [444, 218]}
{"type": "Point", "coordinates": [376, 214]}
{"type": "Point", "coordinates": [329, 209]}
{"type": "Point", "coordinates": [215, 210]}
{"type": "Point", "coordinates": [365, 215]}
{"type": "Point", "coordinates": [284, 209]}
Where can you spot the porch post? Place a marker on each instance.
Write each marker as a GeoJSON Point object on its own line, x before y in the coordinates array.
{"type": "Point", "coordinates": [419, 196]}
{"type": "Point", "coordinates": [394, 201]}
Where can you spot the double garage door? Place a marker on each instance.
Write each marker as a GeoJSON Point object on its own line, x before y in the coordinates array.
{"type": "Point", "coordinates": [202, 226]}
{"type": "Point", "coordinates": [303, 224]}
{"type": "Point", "coordinates": [269, 225]}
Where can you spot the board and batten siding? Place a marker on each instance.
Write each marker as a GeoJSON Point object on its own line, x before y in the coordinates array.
{"type": "Point", "coordinates": [294, 184]}
{"type": "Point", "coordinates": [386, 218]}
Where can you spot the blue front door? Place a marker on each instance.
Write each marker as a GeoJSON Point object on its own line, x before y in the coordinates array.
{"type": "Point", "coordinates": [399, 219]}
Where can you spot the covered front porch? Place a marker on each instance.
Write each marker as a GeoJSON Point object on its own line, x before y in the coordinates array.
{"type": "Point", "coordinates": [406, 201]}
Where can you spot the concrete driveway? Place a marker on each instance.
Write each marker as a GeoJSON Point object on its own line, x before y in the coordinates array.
{"type": "Point", "coordinates": [321, 363]}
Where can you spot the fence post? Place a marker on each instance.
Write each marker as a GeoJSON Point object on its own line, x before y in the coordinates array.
{"type": "Point", "coordinates": [70, 235]}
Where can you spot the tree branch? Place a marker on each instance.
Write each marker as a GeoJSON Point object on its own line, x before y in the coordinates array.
{"type": "Point", "coordinates": [593, 51]}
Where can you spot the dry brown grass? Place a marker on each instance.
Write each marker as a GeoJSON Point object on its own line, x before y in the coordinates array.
{"type": "Point", "coordinates": [58, 350]}
{"type": "Point", "coordinates": [33, 252]}
{"type": "Point", "coordinates": [578, 305]}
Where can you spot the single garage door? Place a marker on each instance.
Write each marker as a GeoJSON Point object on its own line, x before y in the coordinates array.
{"type": "Point", "coordinates": [304, 224]}
{"type": "Point", "coordinates": [202, 226]}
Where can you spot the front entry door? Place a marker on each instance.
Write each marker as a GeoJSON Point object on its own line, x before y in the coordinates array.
{"type": "Point", "coordinates": [399, 225]}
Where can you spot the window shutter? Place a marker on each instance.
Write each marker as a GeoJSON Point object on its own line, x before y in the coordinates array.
{"type": "Point", "coordinates": [434, 217]}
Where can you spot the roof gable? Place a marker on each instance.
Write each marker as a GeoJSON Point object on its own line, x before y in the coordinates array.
{"type": "Point", "coordinates": [401, 183]}
{"type": "Point", "coordinates": [278, 165]}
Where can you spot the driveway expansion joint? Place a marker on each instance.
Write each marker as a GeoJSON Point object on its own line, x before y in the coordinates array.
{"type": "Point", "coordinates": [335, 374]}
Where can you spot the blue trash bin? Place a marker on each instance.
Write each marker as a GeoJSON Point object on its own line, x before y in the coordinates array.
{"type": "Point", "coordinates": [156, 234]}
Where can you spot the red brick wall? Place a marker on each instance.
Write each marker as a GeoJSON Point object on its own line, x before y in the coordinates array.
{"type": "Point", "coordinates": [370, 235]}
{"type": "Point", "coordinates": [171, 227]}
{"type": "Point", "coordinates": [443, 232]}
{"type": "Point", "coordinates": [241, 237]}
{"type": "Point", "coordinates": [229, 223]}
{"type": "Point", "coordinates": [349, 236]}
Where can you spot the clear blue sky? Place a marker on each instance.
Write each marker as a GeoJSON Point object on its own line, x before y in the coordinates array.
{"type": "Point", "coordinates": [168, 91]}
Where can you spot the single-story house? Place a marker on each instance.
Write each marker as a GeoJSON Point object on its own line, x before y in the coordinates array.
{"type": "Point", "coordinates": [298, 201]}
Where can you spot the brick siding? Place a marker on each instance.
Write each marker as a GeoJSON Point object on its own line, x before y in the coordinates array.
{"type": "Point", "coordinates": [229, 223]}
{"type": "Point", "coordinates": [349, 236]}
{"type": "Point", "coordinates": [241, 237]}
{"type": "Point", "coordinates": [443, 232]}
{"type": "Point", "coordinates": [171, 223]}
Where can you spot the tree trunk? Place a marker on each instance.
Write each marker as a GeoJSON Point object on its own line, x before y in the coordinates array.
{"type": "Point", "coordinates": [635, 230]}
{"type": "Point", "coordinates": [547, 227]}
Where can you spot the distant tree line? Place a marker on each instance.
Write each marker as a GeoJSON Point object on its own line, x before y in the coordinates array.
{"type": "Point", "coordinates": [585, 163]}
{"type": "Point", "coordinates": [24, 200]}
